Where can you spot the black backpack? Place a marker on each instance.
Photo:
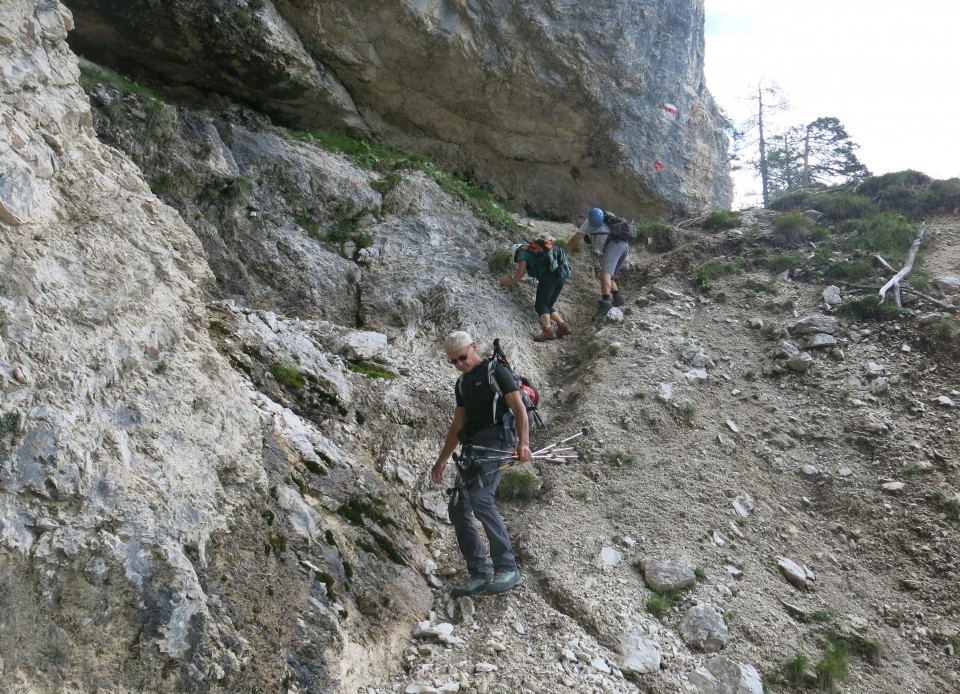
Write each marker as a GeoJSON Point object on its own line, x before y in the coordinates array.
{"type": "Point", "coordinates": [528, 392]}
{"type": "Point", "coordinates": [620, 229]}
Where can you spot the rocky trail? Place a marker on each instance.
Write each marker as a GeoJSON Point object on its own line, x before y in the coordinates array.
{"type": "Point", "coordinates": [800, 506]}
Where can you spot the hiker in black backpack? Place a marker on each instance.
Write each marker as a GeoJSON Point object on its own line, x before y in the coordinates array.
{"type": "Point", "coordinates": [609, 235]}
{"type": "Point", "coordinates": [486, 418]}
{"type": "Point", "coordinates": [546, 263]}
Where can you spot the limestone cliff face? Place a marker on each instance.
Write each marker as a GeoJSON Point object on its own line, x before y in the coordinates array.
{"type": "Point", "coordinates": [163, 525]}
{"type": "Point", "coordinates": [557, 106]}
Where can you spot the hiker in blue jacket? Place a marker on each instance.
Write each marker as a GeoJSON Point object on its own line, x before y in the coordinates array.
{"type": "Point", "coordinates": [535, 262]}
{"type": "Point", "coordinates": [496, 421]}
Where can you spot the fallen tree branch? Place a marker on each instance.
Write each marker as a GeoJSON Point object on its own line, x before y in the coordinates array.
{"type": "Point", "coordinates": [936, 302]}
{"type": "Point", "coordinates": [905, 270]}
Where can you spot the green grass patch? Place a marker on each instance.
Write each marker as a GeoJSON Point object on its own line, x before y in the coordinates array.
{"type": "Point", "coordinates": [499, 261]}
{"type": "Point", "coordinates": [720, 220]}
{"type": "Point", "coordinates": [869, 308]}
{"type": "Point", "coordinates": [761, 287]}
{"type": "Point", "coordinates": [833, 666]}
{"type": "Point", "coordinates": [844, 205]}
{"type": "Point", "coordinates": [661, 237]}
{"type": "Point", "coordinates": [794, 200]}
{"type": "Point", "coordinates": [390, 161]}
{"type": "Point", "coordinates": [370, 370]}
{"type": "Point", "coordinates": [700, 574]}
{"type": "Point", "coordinates": [887, 234]}
{"type": "Point", "coordinates": [92, 75]}
{"type": "Point", "coordinates": [780, 262]}
{"type": "Point", "coordinates": [621, 458]}
{"type": "Point", "coordinates": [386, 183]}
{"type": "Point", "coordinates": [288, 376]}
{"type": "Point", "coordinates": [791, 228]}
{"type": "Point", "coordinates": [854, 271]}
{"type": "Point", "coordinates": [659, 604]}
{"type": "Point", "coordinates": [518, 485]}
{"type": "Point", "coordinates": [705, 275]}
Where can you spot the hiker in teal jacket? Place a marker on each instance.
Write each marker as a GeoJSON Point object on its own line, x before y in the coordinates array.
{"type": "Point", "coordinates": [549, 285]}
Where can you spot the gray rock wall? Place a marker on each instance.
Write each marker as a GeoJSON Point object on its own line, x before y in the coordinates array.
{"type": "Point", "coordinates": [557, 106]}
{"type": "Point", "coordinates": [163, 526]}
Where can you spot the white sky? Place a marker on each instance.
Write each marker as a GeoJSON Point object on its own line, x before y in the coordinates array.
{"type": "Point", "coordinates": [889, 70]}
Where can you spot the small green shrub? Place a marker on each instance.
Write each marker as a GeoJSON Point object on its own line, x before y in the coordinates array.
{"type": "Point", "coordinates": [592, 344]}
{"type": "Point", "coordinates": [10, 423]}
{"type": "Point", "coordinates": [639, 395]}
{"type": "Point", "coordinates": [791, 228]}
{"type": "Point", "coordinates": [761, 287]}
{"type": "Point", "coordinates": [949, 506]}
{"type": "Point", "coordinates": [499, 261]}
{"type": "Point", "coordinates": [833, 666]}
{"type": "Point", "coordinates": [794, 200]}
{"type": "Point", "coordinates": [621, 458]}
{"type": "Point", "coordinates": [844, 205]}
{"type": "Point", "coordinates": [821, 616]}
{"type": "Point", "coordinates": [794, 670]}
{"type": "Point", "coordinates": [856, 271]}
{"type": "Point", "coordinates": [288, 376]}
{"type": "Point", "coordinates": [518, 485]}
{"type": "Point", "coordinates": [944, 196]}
{"type": "Point", "coordinates": [660, 236]}
{"type": "Point", "coordinates": [720, 220]}
{"type": "Point", "coordinates": [780, 262]}
{"type": "Point", "coordinates": [700, 574]}
{"type": "Point", "coordinates": [386, 183]}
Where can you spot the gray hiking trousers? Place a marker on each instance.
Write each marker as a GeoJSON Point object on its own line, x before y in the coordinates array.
{"type": "Point", "coordinates": [476, 502]}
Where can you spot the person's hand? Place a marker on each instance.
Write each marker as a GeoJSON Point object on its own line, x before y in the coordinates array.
{"type": "Point", "coordinates": [437, 472]}
{"type": "Point", "coordinates": [523, 453]}
{"type": "Point", "coordinates": [506, 282]}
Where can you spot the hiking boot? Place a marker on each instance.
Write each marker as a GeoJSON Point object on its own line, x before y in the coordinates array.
{"type": "Point", "coordinates": [564, 329]}
{"type": "Point", "coordinates": [604, 307]}
{"type": "Point", "coordinates": [505, 580]}
{"type": "Point", "coordinates": [547, 334]}
{"type": "Point", "coordinates": [618, 299]}
{"type": "Point", "coordinates": [473, 586]}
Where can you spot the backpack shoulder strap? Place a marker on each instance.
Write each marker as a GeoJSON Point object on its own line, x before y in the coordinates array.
{"type": "Point", "coordinates": [491, 367]}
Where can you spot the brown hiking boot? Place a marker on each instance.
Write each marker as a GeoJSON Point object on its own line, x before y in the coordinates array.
{"type": "Point", "coordinates": [547, 334]}
{"type": "Point", "coordinates": [564, 329]}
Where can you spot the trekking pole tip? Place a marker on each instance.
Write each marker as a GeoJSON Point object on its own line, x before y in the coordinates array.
{"type": "Point", "coordinates": [584, 431]}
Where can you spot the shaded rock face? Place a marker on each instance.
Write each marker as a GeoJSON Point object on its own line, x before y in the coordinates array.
{"type": "Point", "coordinates": [557, 106]}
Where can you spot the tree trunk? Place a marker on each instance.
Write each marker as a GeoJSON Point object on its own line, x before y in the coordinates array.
{"type": "Point", "coordinates": [763, 155]}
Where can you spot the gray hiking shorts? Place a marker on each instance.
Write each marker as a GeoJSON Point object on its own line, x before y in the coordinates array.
{"type": "Point", "coordinates": [614, 253]}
